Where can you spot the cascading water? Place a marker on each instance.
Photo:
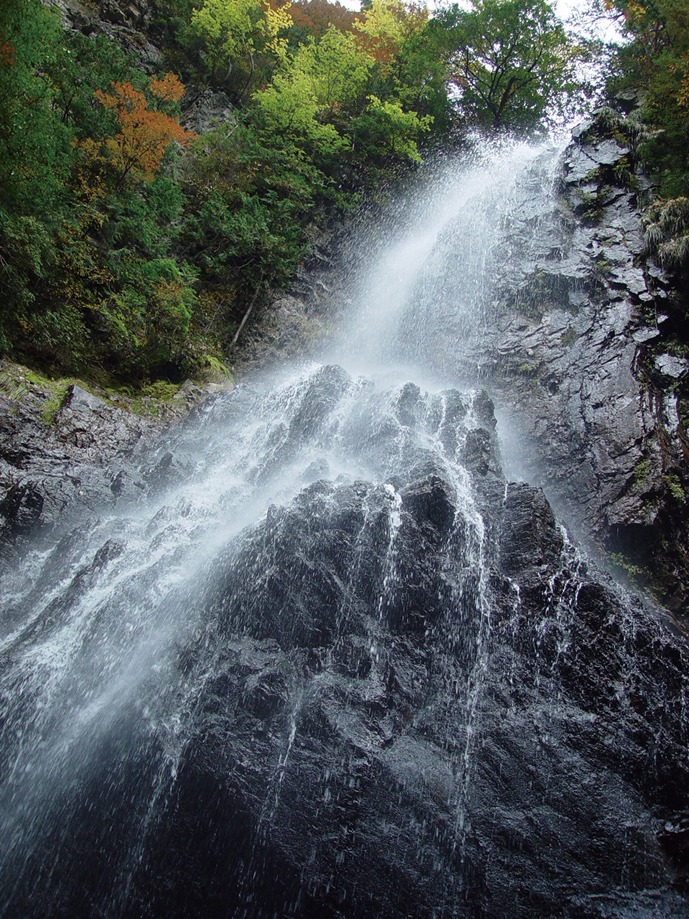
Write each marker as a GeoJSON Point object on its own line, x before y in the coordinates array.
{"type": "Point", "coordinates": [332, 668]}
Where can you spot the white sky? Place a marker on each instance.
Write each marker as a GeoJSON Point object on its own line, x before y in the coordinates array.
{"type": "Point", "coordinates": [565, 9]}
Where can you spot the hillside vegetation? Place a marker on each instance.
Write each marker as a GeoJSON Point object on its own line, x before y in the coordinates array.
{"type": "Point", "coordinates": [131, 247]}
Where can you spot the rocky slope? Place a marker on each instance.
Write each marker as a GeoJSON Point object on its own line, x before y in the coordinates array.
{"type": "Point", "coordinates": [587, 352]}
{"type": "Point", "coordinates": [409, 699]}
{"type": "Point", "coordinates": [65, 452]}
{"type": "Point", "coordinates": [582, 347]}
{"type": "Point", "coordinates": [416, 763]}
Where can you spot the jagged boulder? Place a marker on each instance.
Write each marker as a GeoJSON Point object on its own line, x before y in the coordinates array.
{"type": "Point", "coordinates": [579, 351]}
{"type": "Point", "coordinates": [401, 692]}
{"type": "Point", "coordinates": [79, 459]}
{"type": "Point", "coordinates": [359, 753]}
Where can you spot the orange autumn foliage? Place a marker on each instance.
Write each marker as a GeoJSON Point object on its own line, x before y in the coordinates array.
{"type": "Point", "coordinates": [8, 53]}
{"type": "Point", "coordinates": [317, 15]}
{"type": "Point", "coordinates": [145, 135]}
{"type": "Point", "coordinates": [167, 88]}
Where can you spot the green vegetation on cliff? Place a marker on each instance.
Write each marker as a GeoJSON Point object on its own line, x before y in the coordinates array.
{"type": "Point", "coordinates": [652, 66]}
{"type": "Point", "coordinates": [131, 247]}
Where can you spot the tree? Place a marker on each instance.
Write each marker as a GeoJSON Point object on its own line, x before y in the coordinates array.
{"type": "Point", "coordinates": [35, 152]}
{"type": "Point", "coordinates": [35, 158]}
{"type": "Point", "coordinates": [408, 57]}
{"type": "Point", "coordinates": [510, 61]}
{"type": "Point", "coordinates": [655, 62]}
{"type": "Point", "coordinates": [385, 131]}
{"type": "Point", "coordinates": [386, 25]}
{"type": "Point", "coordinates": [236, 33]}
{"type": "Point", "coordinates": [337, 71]}
{"type": "Point", "coordinates": [145, 134]}
{"type": "Point", "coordinates": [314, 17]}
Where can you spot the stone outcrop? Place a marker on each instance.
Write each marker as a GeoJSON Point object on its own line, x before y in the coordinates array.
{"type": "Point", "coordinates": [582, 348]}
{"type": "Point", "coordinates": [62, 456]}
{"type": "Point", "coordinates": [123, 21]}
{"type": "Point", "coordinates": [79, 459]}
{"type": "Point", "coordinates": [379, 713]}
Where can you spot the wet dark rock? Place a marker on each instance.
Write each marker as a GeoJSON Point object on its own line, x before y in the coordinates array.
{"type": "Point", "coordinates": [69, 465]}
{"type": "Point", "coordinates": [398, 698]}
{"type": "Point", "coordinates": [340, 769]}
{"type": "Point", "coordinates": [581, 349]}
{"type": "Point", "coordinates": [21, 507]}
{"type": "Point", "coordinates": [530, 537]}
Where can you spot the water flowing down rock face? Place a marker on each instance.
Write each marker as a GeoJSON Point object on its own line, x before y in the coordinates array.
{"type": "Point", "coordinates": [552, 303]}
{"type": "Point", "coordinates": [328, 661]}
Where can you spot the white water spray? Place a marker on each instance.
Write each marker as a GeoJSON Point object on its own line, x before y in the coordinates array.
{"type": "Point", "coordinates": [96, 625]}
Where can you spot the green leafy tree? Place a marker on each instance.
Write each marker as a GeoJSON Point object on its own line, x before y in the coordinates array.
{"type": "Point", "coordinates": [322, 101]}
{"type": "Point", "coordinates": [386, 132]}
{"type": "Point", "coordinates": [242, 38]}
{"type": "Point", "coordinates": [655, 62]}
{"type": "Point", "coordinates": [35, 160]}
{"type": "Point", "coordinates": [510, 61]}
{"type": "Point", "coordinates": [35, 152]}
{"type": "Point", "coordinates": [312, 99]}
{"type": "Point", "coordinates": [385, 25]}
{"type": "Point", "coordinates": [141, 329]}
{"type": "Point", "coordinates": [408, 58]}
{"type": "Point", "coordinates": [250, 197]}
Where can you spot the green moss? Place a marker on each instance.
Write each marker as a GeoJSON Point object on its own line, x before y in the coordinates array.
{"type": "Point", "coordinates": [627, 565]}
{"type": "Point", "coordinates": [568, 337]}
{"type": "Point", "coordinates": [527, 370]}
{"type": "Point", "coordinates": [642, 471]}
{"type": "Point", "coordinates": [55, 402]}
{"type": "Point", "coordinates": [212, 369]}
{"type": "Point", "coordinates": [161, 391]}
{"type": "Point", "coordinates": [17, 382]}
{"type": "Point", "coordinates": [674, 486]}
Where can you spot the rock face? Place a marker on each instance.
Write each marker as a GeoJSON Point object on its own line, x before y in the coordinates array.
{"type": "Point", "coordinates": [65, 452]}
{"type": "Point", "coordinates": [393, 765]}
{"type": "Point", "coordinates": [394, 695]}
{"type": "Point", "coordinates": [557, 308]}
{"type": "Point", "coordinates": [580, 352]}
{"type": "Point", "coordinates": [124, 21]}
{"type": "Point", "coordinates": [80, 460]}
{"type": "Point", "coordinates": [339, 665]}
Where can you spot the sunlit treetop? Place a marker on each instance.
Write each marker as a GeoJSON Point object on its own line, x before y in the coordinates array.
{"type": "Point", "coordinates": [315, 16]}
{"type": "Point", "coordinates": [386, 24]}
{"type": "Point", "coordinates": [509, 60]}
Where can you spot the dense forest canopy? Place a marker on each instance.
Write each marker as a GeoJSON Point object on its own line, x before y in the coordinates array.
{"type": "Point", "coordinates": [131, 245]}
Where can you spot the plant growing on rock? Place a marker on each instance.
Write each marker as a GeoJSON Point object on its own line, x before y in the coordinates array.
{"type": "Point", "coordinates": [667, 233]}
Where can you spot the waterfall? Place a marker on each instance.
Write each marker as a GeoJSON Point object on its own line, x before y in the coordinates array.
{"type": "Point", "coordinates": [267, 688]}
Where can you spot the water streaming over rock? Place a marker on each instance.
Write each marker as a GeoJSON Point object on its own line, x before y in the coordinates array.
{"type": "Point", "coordinates": [334, 664]}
